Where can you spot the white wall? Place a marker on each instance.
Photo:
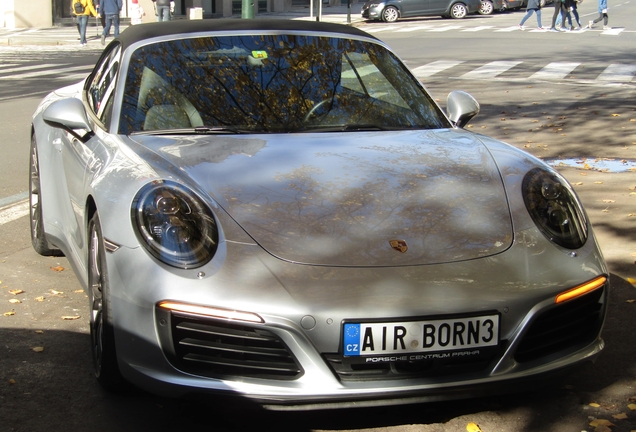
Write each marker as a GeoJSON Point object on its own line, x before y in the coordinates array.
{"type": "Point", "coordinates": [26, 14]}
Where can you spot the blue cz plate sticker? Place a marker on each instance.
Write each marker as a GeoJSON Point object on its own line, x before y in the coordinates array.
{"type": "Point", "coordinates": [363, 339]}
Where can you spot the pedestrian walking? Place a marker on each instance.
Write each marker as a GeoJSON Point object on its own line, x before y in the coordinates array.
{"type": "Point", "coordinates": [82, 10]}
{"type": "Point", "coordinates": [534, 6]}
{"type": "Point", "coordinates": [575, 12]}
{"type": "Point", "coordinates": [136, 12]}
{"type": "Point", "coordinates": [559, 9]}
{"type": "Point", "coordinates": [110, 9]}
{"type": "Point", "coordinates": [163, 9]}
{"type": "Point", "coordinates": [602, 15]}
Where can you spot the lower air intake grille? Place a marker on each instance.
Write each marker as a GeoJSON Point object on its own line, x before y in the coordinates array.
{"type": "Point", "coordinates": [444, 364]}
{"type": "Point", "coordinates": [217, 349]}
{"type": "Point", "coordinates": [573, 324]}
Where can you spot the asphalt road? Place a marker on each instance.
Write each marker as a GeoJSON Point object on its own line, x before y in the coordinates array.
{"type": "Point", "coordinates": [45, 365]}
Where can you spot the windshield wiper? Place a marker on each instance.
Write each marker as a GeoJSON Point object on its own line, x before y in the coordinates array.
{"type": "Point", "coordinates": [353, 127]}
{"type": "Point", "coordinates": [197, 130]}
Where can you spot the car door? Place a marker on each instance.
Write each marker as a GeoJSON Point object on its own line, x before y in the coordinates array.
{"type": "Point", "coordinates": [79, 155]}
{"type": "Point", "coordinates": [434, 7]}
{"type": "Point", "coordinates": [412, 7]}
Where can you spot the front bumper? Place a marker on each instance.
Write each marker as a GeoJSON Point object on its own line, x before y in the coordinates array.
{"type": "Point", "coordinates": [291, 360]}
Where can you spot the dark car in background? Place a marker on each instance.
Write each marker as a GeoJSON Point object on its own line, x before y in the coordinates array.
{"type": "Point", "coordinates": [392, 10]}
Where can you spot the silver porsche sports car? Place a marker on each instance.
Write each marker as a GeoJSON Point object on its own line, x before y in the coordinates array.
{"type": "Point", "coordinates": [278, 210]}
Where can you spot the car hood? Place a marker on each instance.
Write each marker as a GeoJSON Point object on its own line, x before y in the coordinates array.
{"type": "Point", "coordinates": [353, 199]}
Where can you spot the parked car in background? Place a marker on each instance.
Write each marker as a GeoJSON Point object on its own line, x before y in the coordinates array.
{"type": "Point", "coordinates": [278, 210]}
{"type": "Point", "coordinates": [502, 5]}
{"type": "Point", "coordinates": [487, 7]}
{"type": "Point", "coordinates": [392, 10]}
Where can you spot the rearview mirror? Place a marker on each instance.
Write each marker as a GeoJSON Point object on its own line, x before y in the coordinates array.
{"type": "Point", "coordinates": [461, 108]}
{"type": "Point", "coordinates": [70, 115]}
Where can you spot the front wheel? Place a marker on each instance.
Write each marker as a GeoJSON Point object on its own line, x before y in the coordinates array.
{"type": "Point", "coordinates": [38, 239]}
{"type": "Point", "coordinates": [105, 364]}
{"type": "Point", "coordinates": [390, 14]}
{"type": "Point", "coordinates": [458, 11]}
{"type": "Point", "coordinates": [486, 7]}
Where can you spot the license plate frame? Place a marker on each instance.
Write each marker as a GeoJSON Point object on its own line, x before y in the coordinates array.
{"type": "Point", "coordinates": [406, 340]}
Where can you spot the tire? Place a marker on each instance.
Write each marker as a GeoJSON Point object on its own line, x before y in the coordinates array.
{"type": "Point", "coordinates": [38, 238]}
{"type": "Point", "coordinates": [486, 8]}
{"type": "Point", "coordinates": [105, 365]}
{"type": "Point", "coordinates": [458, 11]}
{"type": "Point", "coordinates": [390, 14]}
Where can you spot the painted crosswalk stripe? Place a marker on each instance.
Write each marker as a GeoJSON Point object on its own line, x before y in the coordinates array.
{"type": "Point", "coordinates": [14, 212]}
{"type": "Point", "coordinates": [612, 32]}
{"type": "Point", "coordinates": [446, 28]}
{"type": "Point", "coordinates": [490, 70]}
{"type": "Point", "coordinates": [555, 70]}
{"type": "Point", "coordinates": [508, 29]}
{"type": "Point", "coordinates": [476, 29]}
{"type": "Point", "coordinates": [56, 71]}
{"type": "Point", "coordinates": [435, 67]}
{"type": "Point", "coordinates": [410, 29]}
{"type": "Point", "coordinates": [618, 73]}
{"type": "Point", "coordinates": [28, 68]}
{"type": "Point", "coordinates": [377, 29]}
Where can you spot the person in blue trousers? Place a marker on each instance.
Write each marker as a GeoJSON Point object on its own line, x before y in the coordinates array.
{"type": "Point", "coordinates": [533, 6]}
{"type": "Point", "coordinates": [110, 9]}
{"type": "Point", "coordinates": [602, 15]}
{"type": "Point", "coordinates": [84, 11]}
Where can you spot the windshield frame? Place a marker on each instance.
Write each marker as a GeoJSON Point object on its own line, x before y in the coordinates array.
{"type": "Point", "coordinates": [435, 110]}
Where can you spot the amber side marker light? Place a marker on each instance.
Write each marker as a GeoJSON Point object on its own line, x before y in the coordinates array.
{"type": "Point", "coordinates": [211, 312]}
{"type": "Point", "coordinates": [581, 289]}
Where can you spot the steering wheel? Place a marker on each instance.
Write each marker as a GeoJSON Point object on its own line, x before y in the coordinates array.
{"type": "Point", "coordinates": [315, 108]}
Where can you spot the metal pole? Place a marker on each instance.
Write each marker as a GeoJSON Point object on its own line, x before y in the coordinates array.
{"type": "Point", "coordinates": [247, 9]}
{"type": "Point", "coordinates": [311, 8]}
{"type": "Point", "coordinates": [319, 14]}
{"type": "Point", "coordinates": [348, 11]}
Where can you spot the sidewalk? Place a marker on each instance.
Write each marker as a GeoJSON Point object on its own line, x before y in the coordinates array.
{"type": "Point", "coordinates": [56, 36]}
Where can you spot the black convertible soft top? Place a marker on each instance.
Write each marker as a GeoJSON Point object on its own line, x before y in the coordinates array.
{"type": "Point", "coordinates": [141, 32]}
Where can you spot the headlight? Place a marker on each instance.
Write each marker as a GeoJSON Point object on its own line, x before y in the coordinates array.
{"type": "Point", "coordinates": [174, 225]}
{"type": "Point", "coordinates": [555, 208]}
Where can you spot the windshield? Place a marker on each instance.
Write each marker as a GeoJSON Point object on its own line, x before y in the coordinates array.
{"type": "Point", "coordinates": [272, 83]}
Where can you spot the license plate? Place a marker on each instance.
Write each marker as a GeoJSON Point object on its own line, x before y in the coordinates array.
{"type": "Point", "coordinates": [436, 335]}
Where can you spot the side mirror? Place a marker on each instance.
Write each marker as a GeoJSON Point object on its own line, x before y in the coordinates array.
{"type": "Point", "coordinates": [461, 108]}
{"type": "Point", "coordinates": [70, 115]}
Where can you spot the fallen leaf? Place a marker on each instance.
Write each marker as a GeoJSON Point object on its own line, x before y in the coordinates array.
{"type": "Point", "coordinates": [632, 407]}
{"type": "Point", "coordinates": [601, 422]}
{"type": "Point", "coordinates": [609, 201]}
{"type": "Point", "coordinates": [616, 115]}
{"type": "Point", "coordinates": [16, 291]}
{"type": "Point", "coordinates": [595, 405]}
{"type": "Point", "coordinates": [71, 317]}
{"type": "Point", "coordinates": [78, 291]}
{"type": "Point", "coordinates": [54, 292]}
{"type": "Point", "coordinates": [15, 301]}
{"type": "Point", "coordinates": [621, 416]}
{"type": "Point", "coordinates": [57, 269]}
{"type": "Point", "coordinates": [37, 349]}
{"type": "Point", "coordinates": [39, 331]}
{"type": "Point", "coordinates": [9, 313]}
{"type": "Point", "coordinates": [630, 301]}
{"type": "Point", "coordinates": [39, 299]}
{"type": "Point", "coordinates": [473, 427]}
{"type": "Point", "coordinates": [11, 381]}
{"type": "Point", "coordinates": [598, 182]}
{"type": "Point", "coordinates": [578, 183]}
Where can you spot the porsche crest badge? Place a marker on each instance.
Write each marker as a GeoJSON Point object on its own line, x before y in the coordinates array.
{"type": "Point", "coordinates": [399, 245]}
